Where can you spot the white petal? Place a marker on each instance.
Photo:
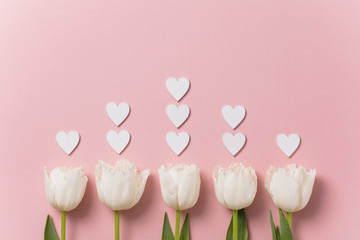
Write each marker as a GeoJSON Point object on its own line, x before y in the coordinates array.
{"type": "Point", "coordinates": [284, 190]}
{"type": "Point", "coordinates": [69, 187]}
{"type": "Point", "coordinates": [98, 177]}
{"type": "Point", "coordinates": [189, 187]}
{"type": "Point", "coordinates": [119, 188]}
{"type": "Point", "coordinates": [50, 189]}
{"type": "Point", "coordinates": [240, 186]}
{"type": "Point", "coordinates": [218, 185]}
{"type": "Point", "coordinates": [307, 186]}
{"type": "Point", "coordinates": [141, 186]}
{"type": "Point", "coordinates": [168, 187]}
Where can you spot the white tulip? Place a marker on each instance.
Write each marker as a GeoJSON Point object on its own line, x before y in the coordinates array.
{"type": "Point", "coordinates": [236, 186]}
{"type": "Point", "coordinates": [120, 187]}
{"type": "Point", "coordinates": [65, 187]}
{"type": "Point", "coordinates": [290, 188]}
{"type": "Point", "coordinates": [180, 185]}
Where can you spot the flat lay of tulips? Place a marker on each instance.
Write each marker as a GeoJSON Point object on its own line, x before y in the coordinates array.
{"type": "Point", "coordinates": [121, 186]}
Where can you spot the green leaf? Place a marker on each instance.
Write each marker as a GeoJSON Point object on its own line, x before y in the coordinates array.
{"type": "Point", "coordinates": [167, 233]}
{"type": "Point", "coordinates": [273, 229]}
{"type": "Point", "coordinates": [242, 227]}
{"type": "Point", "coordinates": [230, 230]}
{"type": "Point", "coordinates": [50, 232]}
{"type": "Point", "coordinates": [284, 227]}
{"type": "Point", "coordinates": [278, 233]}
{"type": "Point", "coordinates": [185, 231]}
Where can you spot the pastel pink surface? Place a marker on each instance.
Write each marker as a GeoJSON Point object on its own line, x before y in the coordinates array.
{"type": "Point", "coordinates": [294, 65]}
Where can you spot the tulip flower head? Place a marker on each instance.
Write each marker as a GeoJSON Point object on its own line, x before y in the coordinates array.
{"type": "Point", "coordinates": [180, 185]}
{"type": "Point", "coordinates": [65, 187]}
{"type": "Point", "coordinates": [236, 186]}
{"type": "Point", "coordinates": [120, 187]}
{"type": "Point", "coordinates": [290, 188]}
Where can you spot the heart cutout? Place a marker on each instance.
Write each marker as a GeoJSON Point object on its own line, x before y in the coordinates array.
{"type": "Point", "coordinates": [177, 88]}
{"type": "Point", "coordinates": [118, 141]}
{"type": "Point", "coordinates": [118, 113]}
{"type": "Point", "coordinates": [233, 116]}
{"type": "Point", "coordinates": [177, 142]}
{"type": "Point", "coordinates": [288, 144]}
{"type": "Point", "coordinates": [68, 141]}
{"type": "Point", "coordinates": [177, 115]}
{"type": "Point", "coordinates": [234, 143]}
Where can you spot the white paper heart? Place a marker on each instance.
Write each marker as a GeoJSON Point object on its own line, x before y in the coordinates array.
{"type": "Point", "coordinates": [117, 113]}
{"type": "Point", "coordinates": [176, 88]}
{"type": "Point", "coordinates": [233, 116]}
{"type": "Point", "coordinates": [176, 142]}
{"type": "Point", "coordinates": [177, 115]}
{"type": "Point", "coordinates": [288, 144]}
{"type": "Point", "coordinates": [68, 142]}
{"type": "Point", "coordinates": [234, 143]}
{"type": "Point", "coordinates": [118, 141]}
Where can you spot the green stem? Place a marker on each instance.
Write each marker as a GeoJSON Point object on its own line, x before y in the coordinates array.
{"type": "Point", "coordinates": [63, 225]}
{"type": "Point", "coordinates": [288, 218]}
{"type": "Point", "coordinates": [177, 225]}
{"type": "Point", "coordinates": [117, 233]}
{"type": "Point", "coordinates": [235, 224]}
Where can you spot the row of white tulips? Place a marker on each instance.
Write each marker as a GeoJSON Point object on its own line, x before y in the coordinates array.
{"type": "Point", "coordinates": [120, 187]}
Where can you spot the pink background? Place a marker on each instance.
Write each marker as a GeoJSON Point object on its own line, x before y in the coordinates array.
{"type": "Point", "coordinates": [294, 65]}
